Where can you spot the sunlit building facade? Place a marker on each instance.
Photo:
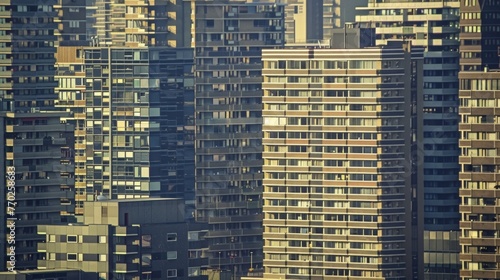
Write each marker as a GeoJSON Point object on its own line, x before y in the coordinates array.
{"type": "Point", "coordinates": [337, 143]}
{"type": "Point", "coordinates": [479, 103]}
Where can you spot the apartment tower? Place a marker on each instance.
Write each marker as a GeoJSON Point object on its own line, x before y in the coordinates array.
{"type": "Point", "coordinates": [336, 13]}
{"type": "Point", "coordinates": [134, 100]}
{"type": "Point", "coordinates": [137, 23]}
{"type": "Point", "coordinates": [308, 21]}
{"type": "Point", "coordinates": [434, 27]}
{"type": "Point", "coordinates": [228, 41]}
{"type": "Point", "coordinates": [303, 20]}
{"type": "Point", "coordinates": [115, 69]}
{"type": "Point", "coordinates": [32, 141]}
{"type": "Point", "coordinates": [337, 140]}
{"type": "Point", "coordinates": [479, 103]}
{"type": "Point", "coordinates": [72, 22]}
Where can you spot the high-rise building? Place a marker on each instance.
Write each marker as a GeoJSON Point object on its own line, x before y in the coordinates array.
{"type": "Point", "coordinates": [228, 40]}
{"type": "Point", "coordinates": [177, 79]}
{"type": "Point", "coordinates": [138, 23]}
{"type": "Point", "coordinates": [479, 103]}
{"type": "Point", "coordinates": [434, 27]}
{"type": "Point", "coordinates": [34, 144]}
{"type": "Point", "coordinates": [72, 22]}
{"type": "Point", "coordinates": [71, 98]}
{"type": "Point", "coordinates": [303, 20]}
{"type": "Point", "coordinates": [307, 21]}
{"type": "Point", "coordinates": [134, 99]}
{"type": "Point", "coordinates": [27, 55]}
{"type": "Point", "coordinates": [37, 147]}
{"type": "Point", "coordinates": [336, 13]}
{"type": "Point", "coordinates": [337, 140]}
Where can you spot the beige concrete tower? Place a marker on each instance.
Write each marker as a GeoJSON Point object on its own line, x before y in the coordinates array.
{"type": "Point", "coordinates": [480, 139]}
{"type": "Point", "coordinates": [337, 143]}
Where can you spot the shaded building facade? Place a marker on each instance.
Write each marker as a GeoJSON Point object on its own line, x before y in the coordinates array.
{"type": "Point", "coordinates": [434, 27]}
{"type": "Point", "coordinates": [72, 22]}
{"type": "Point", "coordinates": [134, 99]}
{"type": "Point", "coordinates": [39, 148]}
{"type": "Point", "coordinates": [121, 239]}
{"type": "Point", "coordinates": [228, 40]}
{"type": "Point", "coordinates": [33, 141]}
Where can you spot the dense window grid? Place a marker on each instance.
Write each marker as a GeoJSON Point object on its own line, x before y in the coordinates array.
{"type": "Point", "coordinates": [228, 39]}
{"type": "Point", "coordinates": [334, 164]}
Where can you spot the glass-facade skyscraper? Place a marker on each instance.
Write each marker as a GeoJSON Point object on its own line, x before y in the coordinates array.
{"type": "Point", "coordinates": [228, 40]}
{"type": "Point", "coordinates": [134, 99]}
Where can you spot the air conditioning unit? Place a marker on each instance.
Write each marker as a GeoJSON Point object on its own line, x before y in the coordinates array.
{"type": "Point", "coordinates": [278, 41]}
{"type": "Point", "coordinates": [230, 42]}
{"type": "Point", "coordinates": [230, 14]}
{"type": "Point", "coordinates": [230, 28]}
{"type": "Point", "coordinates": [278, 27]}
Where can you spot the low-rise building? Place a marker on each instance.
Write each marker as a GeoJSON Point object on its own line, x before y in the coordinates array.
{"type": "Point", "coordinates": [121, 239]}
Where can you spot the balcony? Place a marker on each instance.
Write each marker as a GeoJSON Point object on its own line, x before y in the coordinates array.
{"type": "Point", "coordinates": [126, 267]}
{"type": "Point", "coordinates": [45, 182]}
{"type": "Point", "coordinates": [45, 195]}
{"type": "Point", "coordinates": [38, 209]}
{"type": "Point", "coordinates": [34, 128]}
{"type": "Point", "coordinates": [126, 231]}
{"type": "Point", "coordinates": [234, 232]}
{"type": "Point", "coordinates": [42, 247]}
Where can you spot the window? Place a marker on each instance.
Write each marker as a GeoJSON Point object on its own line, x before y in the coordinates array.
{"type": "Point", "coordinates": [171, 255]}
{"type": "Point", "coordinates": [104, 212]}
{"type": "Point", "coordinates": [193, 271]}
{"type": "Point", "coordinates": [74, 24]}
{"type": "Point", "coordinates": [71, 239]}
{"type": "Point", "coordinates": [52, 238]}
{"type": "Point", "coordinates": [146, 260]}
{"type": "Point", "coordinates": [71, 257]}
{"type": "Point", "coordinates": [103, 239]}
{"type": "Point", "coordinates": [103, 258]}
{"type": "Point", "coordinates": [146, 241]}
{"type": "Point", "coordinates": [171, 273]}
{"type": "Point", "coordinates": [172, 236]}
{"type": "Point", "coordinates": [193, 236]}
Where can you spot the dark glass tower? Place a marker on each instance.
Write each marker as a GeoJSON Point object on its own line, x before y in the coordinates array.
{"type": "Point", "coordinates": [32, 140]}
{"type": "Point", "coordinates": [72, 22]}
{"type": "Point", "coordinates": [228, 40]}
{"type": "Point", "coordinates": [27, 55]}
{"type": "Point", "coordinates": [134, 99]}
